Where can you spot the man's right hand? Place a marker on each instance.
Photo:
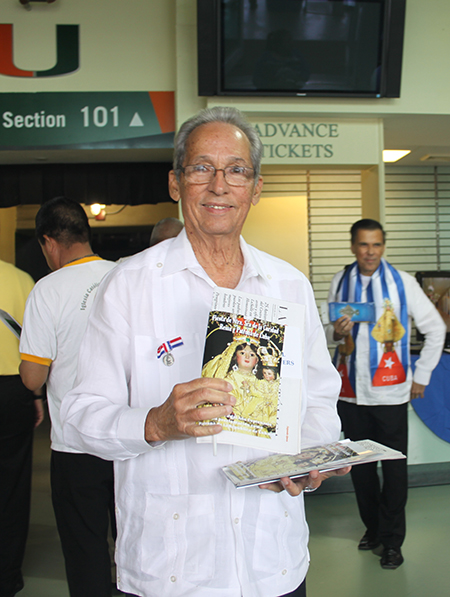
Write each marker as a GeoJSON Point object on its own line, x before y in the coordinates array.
{"type": "Point", "coordinates": [342, 327]}
{"type": "Point", "coordinates": [178, 416]}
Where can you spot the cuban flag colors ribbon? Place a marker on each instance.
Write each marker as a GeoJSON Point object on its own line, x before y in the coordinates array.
{"type": "Point", "coordinates": [168, 346]}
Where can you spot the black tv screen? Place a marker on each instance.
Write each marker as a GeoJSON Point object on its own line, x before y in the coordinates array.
{"type": "Point", "coordinates": [300, 47]}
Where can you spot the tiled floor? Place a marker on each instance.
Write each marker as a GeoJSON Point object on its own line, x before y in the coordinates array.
{"type": "Point", "coordinates": [337, 569]}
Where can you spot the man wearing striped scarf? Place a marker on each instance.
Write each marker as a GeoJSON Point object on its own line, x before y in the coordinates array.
{"type": "Point", "coordinates": [377, 380]}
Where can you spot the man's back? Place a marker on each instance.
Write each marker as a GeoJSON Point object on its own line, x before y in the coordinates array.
{"type": "Point", "coordinates": [54, 323]}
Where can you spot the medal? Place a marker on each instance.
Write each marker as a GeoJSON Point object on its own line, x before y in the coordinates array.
{"type": "Point", "coordinates": [168, 359]}
{"type": "Point", "coordinates": [165, 350]}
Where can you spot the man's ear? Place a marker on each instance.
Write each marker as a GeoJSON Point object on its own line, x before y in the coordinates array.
{"type": "Point", "coordinates": [49, 243]}
{"type": "Point", "coordinates": [174, 186]}
{"type": "Point", "coordinates": [257, 191]}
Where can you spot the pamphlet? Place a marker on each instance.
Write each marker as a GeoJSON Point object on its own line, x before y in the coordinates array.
{"type": "Point", "coordinates": [323, 458]}
{"type": "Point", "coordinates": [11, 323]}
{"type": "Point", "coordinates": [356, 311]}
{"type": "Point", "coordinates": [256, 343]}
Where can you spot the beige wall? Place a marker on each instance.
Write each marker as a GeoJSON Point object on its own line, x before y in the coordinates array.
{"type": "Point", "coordinates": [125, 45]}
{"type": "Point", "coordinates": [163, 56]}
{"type": "Point", "coordinates": [279, 226]}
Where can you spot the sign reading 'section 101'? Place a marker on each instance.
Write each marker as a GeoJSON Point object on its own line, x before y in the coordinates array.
{"type": "Point", "coordinates": [99, 116]}
{"type": "Point", "coordinates": [70, 119]}
{"type": "Point", "coordinates": [286, 140]}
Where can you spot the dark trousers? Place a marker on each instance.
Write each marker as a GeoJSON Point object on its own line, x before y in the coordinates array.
{"type": "Point", "coordinates": [300, 591]}
{"type": "Point", "coordinates": [382, 509]}
{"type": "Point", "coordinates": [17, 417]}
{"type": "Point", "coordinates": [83, 500]}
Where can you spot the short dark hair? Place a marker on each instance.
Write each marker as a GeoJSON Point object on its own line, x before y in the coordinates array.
{"type": "Point", "coordinates": [366, 224]}
{"type": "Point", "coordinates": [63, 220]}
{"type": "Point", "coordinates": [211, 115]}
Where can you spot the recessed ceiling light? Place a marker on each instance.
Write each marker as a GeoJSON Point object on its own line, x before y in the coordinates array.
{"type": "Point", "coordinates": [393, 155]}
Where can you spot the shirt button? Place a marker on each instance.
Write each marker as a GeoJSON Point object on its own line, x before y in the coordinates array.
{"type": "Point", "coordinates": [269, 277]}
{"type": "Point", "coordinates": [176, 516]}
{"type": "Point", "coordinates": [236, 521]}
{"type": "Point", "coordinates": [284, 571]}
{"type": "Point", "coordinates": [173, 579]}
{"type": "Point", "coordinates": [159, 264]}
{"type": "Point", "coordinates": [286, 513]}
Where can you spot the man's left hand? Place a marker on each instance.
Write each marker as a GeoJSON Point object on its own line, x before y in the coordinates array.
{"type": "Point", "coordinates": [294, 487]}
{"type": "Point", "coordinates": [417, 390]}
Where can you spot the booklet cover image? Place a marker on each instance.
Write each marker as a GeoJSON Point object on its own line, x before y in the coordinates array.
{"type": "Point", "coordinates": [247, 353]}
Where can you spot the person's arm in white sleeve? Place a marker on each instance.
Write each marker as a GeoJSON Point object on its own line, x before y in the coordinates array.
{"type": "Point", "coordinates": [431, 325]}
{"type": "Point", "coordinates": [37, 341]}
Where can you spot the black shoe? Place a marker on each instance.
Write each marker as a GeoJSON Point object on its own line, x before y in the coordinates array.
{"type": "Point", "coordinates": [367, 543]}
{"type": "Point", "coordinates": [18, 587]}
{"type": "Point", "coordinates": [391, 558]}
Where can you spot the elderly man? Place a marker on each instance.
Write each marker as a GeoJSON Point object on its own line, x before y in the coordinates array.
{"type": "Point", "coordinates": [183, 529]}
{"type": "Point", "coordinates": [377, 381]}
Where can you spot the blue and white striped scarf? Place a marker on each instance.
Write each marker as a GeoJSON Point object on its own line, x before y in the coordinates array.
{"type": "Point", "coordinates": [385, 283]}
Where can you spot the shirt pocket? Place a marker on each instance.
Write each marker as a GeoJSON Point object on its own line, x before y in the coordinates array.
{"type": "Point", "coordinates": [178, 537]}
{"type": "Point", "coordinates": [156, 376]}
{"type": "Point", "coordinates": [270, 533]}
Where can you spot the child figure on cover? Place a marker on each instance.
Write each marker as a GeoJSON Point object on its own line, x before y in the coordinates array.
{"type": "Point", "coordinates": [269, 385]}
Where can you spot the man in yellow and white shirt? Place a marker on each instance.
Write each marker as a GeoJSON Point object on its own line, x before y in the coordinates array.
{"type": "Point", "coordinates": [55, 318]}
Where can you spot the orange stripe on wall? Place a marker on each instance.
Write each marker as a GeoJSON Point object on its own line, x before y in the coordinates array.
{"type": "Point", "coordinates": [6, 53]}
{"type": "Point", "coordinates": [164, 106]}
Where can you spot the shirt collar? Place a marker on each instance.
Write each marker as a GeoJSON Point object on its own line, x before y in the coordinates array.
{"type": "Point", "coordinates": [83, 260]}
{"type": "Point", "coordinates": [180, 256]}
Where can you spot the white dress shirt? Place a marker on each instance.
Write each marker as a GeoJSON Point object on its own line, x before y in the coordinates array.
{"type": "Point", "coordinates": [427, 320]}
{"type": "Point", "coordinates": [183, 529]}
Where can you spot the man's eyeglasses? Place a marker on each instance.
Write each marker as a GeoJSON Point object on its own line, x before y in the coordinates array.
{"type": "Point", "coordinates": [235, 176]}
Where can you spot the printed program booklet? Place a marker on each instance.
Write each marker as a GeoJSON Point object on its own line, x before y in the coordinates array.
{"type": "Point", "coordinates": [256, 343]}
{"type": "Point", "coordinates": [323, 458]}
{"type": "Point", "coordinates": [11, 323]}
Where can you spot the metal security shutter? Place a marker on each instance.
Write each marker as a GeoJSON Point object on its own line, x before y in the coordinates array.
{"type": "Point", "coordinates": [443, 207]}
{"type": "Point", "coordinates": [412, 217]}
{"type": "Point", "coordinates": [281, 182]}
{"type": "Point", "coordinates": [334, 200]}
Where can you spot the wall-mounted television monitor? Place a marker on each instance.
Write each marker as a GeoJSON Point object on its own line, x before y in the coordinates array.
{"type": "Point", "coordinates": [436, 285]}
{"type": "Point", "coordinates": [336, 48]}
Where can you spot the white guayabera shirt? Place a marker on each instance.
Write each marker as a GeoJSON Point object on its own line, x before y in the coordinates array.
{"type": "Point", "coordinates": [183, 529]}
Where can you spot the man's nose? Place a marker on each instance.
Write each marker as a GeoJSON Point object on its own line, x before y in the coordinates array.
{"type": "Point", "coordinates": [218, 183]}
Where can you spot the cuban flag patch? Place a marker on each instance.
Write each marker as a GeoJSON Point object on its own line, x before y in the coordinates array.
{"type": "Point", "coordinates": [168, 346]}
